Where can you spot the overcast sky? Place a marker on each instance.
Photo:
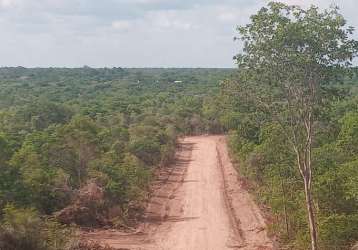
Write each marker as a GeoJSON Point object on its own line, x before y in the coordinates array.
{"type": "Point", "coordinates": [129, 33]}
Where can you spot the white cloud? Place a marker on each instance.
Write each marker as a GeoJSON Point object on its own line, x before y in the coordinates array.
{"type": "Point", "coordinates": [319, 3]}
{"type": "Point", "coordinates": [227, 16]}
{"type": "Point", "coordinates": [148, 1]}
{"type": "Point", "coordinates": [169, 20]}
{"type": "Point", "coordinates": [129, 32]}
{"type": "Point", "coordinates": [7, 3]}
{"type": "Point", "coordinates": [121, 25]}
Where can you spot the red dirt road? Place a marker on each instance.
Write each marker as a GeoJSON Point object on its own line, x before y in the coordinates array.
{"type": "Point", "coordinates": [198, 205]}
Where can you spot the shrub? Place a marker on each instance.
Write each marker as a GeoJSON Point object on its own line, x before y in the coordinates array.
{"type": "Point", "coordinates": [338, 231]}
{"type": "Point", "coordinates": [23, 229]}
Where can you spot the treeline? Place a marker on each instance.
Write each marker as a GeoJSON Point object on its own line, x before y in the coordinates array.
{"type": "Point", "coordinates": [81, 145]}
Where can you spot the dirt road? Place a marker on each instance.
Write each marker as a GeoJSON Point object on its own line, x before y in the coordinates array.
{"type": "Point", "coordinates": [198, 205]}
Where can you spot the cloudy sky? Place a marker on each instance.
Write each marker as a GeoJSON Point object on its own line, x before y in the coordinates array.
{"type": "Point", "coordinates": [129, 33]}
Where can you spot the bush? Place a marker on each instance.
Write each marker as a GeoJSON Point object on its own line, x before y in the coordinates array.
{"type": "Point", "coordinates": [147, 150]}
{"type": "Point", "coordinates": [23, 229]}
{"type": "Point", "coordinates": [338, 232]}
{"type": "Point", "coordinates": [90, 246]}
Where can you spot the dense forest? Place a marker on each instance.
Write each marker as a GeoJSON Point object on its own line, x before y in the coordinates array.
{"type": "Point", "coordinates": [77, 144]}
{"type": "Point", "coordinates": [79, 147]}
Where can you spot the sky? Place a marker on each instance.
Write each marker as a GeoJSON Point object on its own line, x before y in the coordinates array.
{"type": "Point", "coordinates": [130, 33]}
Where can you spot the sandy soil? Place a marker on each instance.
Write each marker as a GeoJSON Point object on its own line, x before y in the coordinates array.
{"type": "Point", "coordinates": [197, 204]}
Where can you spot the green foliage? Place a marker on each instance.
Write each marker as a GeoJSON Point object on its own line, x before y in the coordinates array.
{"type": "Point", "coordinates": [337, 231]}
{"type": "Point", "coordinates": [291, 109]}
{"type": "Point", "coordinates": [24, 229]}
{"type": "Point", "coordinates": [5, 149]}
{"type": "Point", "coordinates": [348, 137]}
{"type": "Point", "coordinates": [43, 113]}
{"type": "Point", "coordinates": [61, 129]}
{"type": "Point", "coordinates": [267, 165]}
{"type": "Point", "coordinates": [147, 149]}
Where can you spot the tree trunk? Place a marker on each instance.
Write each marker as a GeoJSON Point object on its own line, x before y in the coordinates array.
{"type": "Point", "coordinates": [285, 208]}
{"type": "Point", "coordinates": [284, 202]}
{"type": "Point", "coordinates": [310, 212]}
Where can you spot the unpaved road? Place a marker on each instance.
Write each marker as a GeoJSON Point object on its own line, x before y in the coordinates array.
{"type": "Point", "coordinates": [198, 204]}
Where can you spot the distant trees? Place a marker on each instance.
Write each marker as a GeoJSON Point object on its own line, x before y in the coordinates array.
{"type": "Point", "coordinates": [5, 149]}
{"type": "Point", "coordinates": [43, 113]}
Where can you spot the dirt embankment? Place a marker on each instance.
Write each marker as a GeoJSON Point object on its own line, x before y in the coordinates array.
{"type": "Point", "coordinates": [197, 204]}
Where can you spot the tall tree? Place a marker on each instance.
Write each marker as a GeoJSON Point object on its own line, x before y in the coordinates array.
{"type": "Point", "coordinates": [290, 56]}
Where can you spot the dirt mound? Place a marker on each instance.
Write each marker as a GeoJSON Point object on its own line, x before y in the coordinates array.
{"type": "Point", "coordinates": [86, 209]}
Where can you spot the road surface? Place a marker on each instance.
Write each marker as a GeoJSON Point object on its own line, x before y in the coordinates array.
{"type": "Point", "coordinates": [198, 204]}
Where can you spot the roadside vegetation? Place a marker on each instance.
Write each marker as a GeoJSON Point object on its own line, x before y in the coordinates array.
{"type": "Point", "coordinates": [296, 129]}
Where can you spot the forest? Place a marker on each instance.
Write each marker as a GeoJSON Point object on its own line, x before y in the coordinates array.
{"type": "Point", "coordinates": [69, 132]}
{"type": "Point", "coordinates": [79, 147]}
